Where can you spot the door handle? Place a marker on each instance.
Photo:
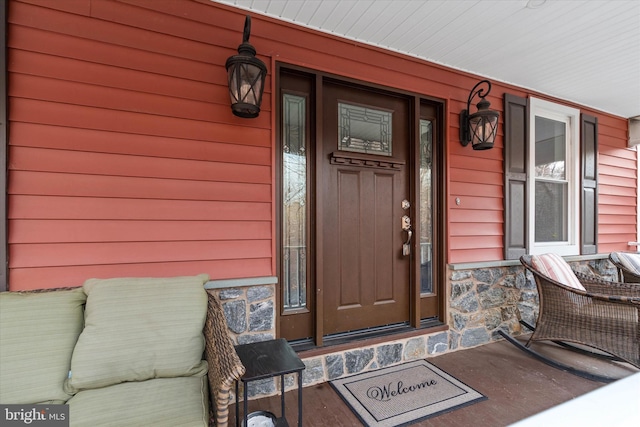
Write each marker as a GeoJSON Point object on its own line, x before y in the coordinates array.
{"type": "Point", "coordinates": [406, 247]}
{"type": "Point", "coordinates": [406, 226]}
{"type": "Point", "coordinates": [406, 223]}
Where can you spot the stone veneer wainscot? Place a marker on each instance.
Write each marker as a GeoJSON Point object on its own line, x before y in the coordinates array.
{"type": "Point", "coordinates": [482, 301]}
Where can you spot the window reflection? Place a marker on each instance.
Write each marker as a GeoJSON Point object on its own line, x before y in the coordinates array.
{"type": "Point", "coordinates": [551, 186]}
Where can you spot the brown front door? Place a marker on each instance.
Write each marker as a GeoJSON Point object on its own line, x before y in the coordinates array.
{"type": "Point", "coordinates": [364, 181]}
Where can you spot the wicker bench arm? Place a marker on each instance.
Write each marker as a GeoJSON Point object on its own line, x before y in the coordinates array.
{"type": "Point", "coordinates": [224, 365]}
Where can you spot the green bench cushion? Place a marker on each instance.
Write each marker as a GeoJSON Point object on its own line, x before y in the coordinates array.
{"type": "Point", "coordinates": [138, 329]}
{"type": "Point", "coordinates": [38, 332]}
{"type": "Point", "coordinates": [159, 402]}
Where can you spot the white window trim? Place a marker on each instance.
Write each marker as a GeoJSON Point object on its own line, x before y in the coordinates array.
{"type": "Point", "coordinates": [571, 116]}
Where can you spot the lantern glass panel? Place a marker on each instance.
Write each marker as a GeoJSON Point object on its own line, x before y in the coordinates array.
{"type": "Point", "coordinates": [483, 129]}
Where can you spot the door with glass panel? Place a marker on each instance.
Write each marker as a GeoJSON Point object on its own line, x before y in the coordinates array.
{"type": "Point", "coordinates": [366, 207]}
{"type": "Point", "coordinates": [357, 209]}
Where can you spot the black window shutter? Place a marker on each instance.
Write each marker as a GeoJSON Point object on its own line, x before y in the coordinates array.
{"type": "Point", "coordinates": [516, 195]}
{"type": "Point", "coordinates": [589, 184]}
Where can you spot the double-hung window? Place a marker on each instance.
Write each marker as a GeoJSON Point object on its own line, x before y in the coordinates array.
{"type": "Point", "coordinates": [550, 178]}
{"type": "Point", "coordinates": [554, 166]}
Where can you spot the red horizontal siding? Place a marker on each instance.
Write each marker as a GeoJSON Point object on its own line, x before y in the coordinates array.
{"type": "Point", "coordinates": [617, 228]}
{"type": "Point", "coordinates": [471, 161]}
{"type": "Point", "coordinates": [52, 113]}
{"type": "Point", "coordinates": [473, 202]}
{"type": "Point", "coordinates": [609, 199]}
{"type": "Point", "coordinates": [125, 158]}
{"type": "Point", "coordinates": [72, 254]}
{"type": "Point", "coordinates": [51, 207]}
{"type": "Point", "coordinates": [43, 88]}
{"type": "Point", "coordinates": [24, 36]}
{"type": "Point", "coordinates": [613, 239]}
{"type": "Point", "coordinates": [100, 230]}
{"type": "Point", "coordinates": [477, 255]}
{"type": "Point", "coordinates": [38, 159]}
{"type": "Point", "coordinates": [75, 6]}
{"type": "Point", "coordinates": [124, 153]}
{"type": "Point", "coordinates": [76, 139]}
{"type": "Point", "coordinates": [53, 277]}
{"type": "Point", "coordinates": [604, 209]}
{"type": "Point", "coordinates": [617, 220]}
{"type": "Point", "coordinates": [471, 229]}
{"type": "Point", "coordinates": [76, 184]}
{"type": "Point", "coordinates": [474, 216]}
{"type": "Point", "coordinates": [476, 176]}
{"type": "Point", "coordinates": [73, 70]}
{"type": "Point", "coordinates": [471, 189]}
{"type": "Point", "coordinates": [617, 190]}
{"type": "Point", "coordinates": [607, 176]}
{"type": "Point", "coordinates": [626, 164]}
{"type": "Point", "coordinates": [468, 242]}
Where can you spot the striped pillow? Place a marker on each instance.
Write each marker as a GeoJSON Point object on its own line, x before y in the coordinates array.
{"type": "Point", "coordinates": [556, 268]}
{"type": "Point", "coordinates": [631, 261]}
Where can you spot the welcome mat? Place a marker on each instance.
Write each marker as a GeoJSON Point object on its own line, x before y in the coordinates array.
{"type": "Point", "coordinates": [404, 394]}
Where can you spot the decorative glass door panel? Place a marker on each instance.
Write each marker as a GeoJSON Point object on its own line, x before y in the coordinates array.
{"type": "Point", "coordinates": [294, 202]}
{"type": "Point", "coordinates": [364, 129]}
{"type": "Point", "coordinates": [426, 202]}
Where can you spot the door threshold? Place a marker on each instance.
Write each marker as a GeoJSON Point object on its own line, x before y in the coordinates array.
{"type": "Point", "coordinates": [366, 337]}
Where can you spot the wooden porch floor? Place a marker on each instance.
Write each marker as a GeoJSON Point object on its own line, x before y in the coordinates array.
{"type": "Point", "coordinates": [516, 384]}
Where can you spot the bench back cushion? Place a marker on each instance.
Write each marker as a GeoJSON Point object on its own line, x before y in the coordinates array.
{"type": "Point", "coordinates": [138, 329]}
{"type": "Point", "coordinates": [38, 331]}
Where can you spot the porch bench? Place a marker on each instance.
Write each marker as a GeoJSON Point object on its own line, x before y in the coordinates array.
{"type": "Point", "coordinates": [125, 352]}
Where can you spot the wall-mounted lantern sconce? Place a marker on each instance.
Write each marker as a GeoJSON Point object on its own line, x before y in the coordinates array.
{"type": "Point", "coordinates": [246, 75]}
{"type": "Point", "coordinates": [480, 127]}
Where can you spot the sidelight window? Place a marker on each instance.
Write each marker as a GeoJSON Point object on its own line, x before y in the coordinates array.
{"type": "Point", "coordinates": [426, 206]}
{"type": "Point", "coordinates": [294, 202]}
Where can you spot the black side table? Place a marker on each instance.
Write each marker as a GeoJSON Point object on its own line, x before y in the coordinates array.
{"type": "Point", "coordinates": [267, 359]}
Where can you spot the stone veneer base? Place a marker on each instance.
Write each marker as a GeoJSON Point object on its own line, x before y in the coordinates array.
{"type": "Point", "coordinates": [481, 302]}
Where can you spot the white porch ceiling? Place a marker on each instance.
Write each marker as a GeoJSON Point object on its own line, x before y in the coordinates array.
{"type": "Point", "coordinates": [584, 51]}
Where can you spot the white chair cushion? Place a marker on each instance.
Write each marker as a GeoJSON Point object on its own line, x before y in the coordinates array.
{"type": "Point", "coordinates": [556, 268]}
{"type": "Point", "coordinates": [631, 261]}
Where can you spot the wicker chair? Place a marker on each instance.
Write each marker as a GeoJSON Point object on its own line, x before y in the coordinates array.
{"type": "Point", "coordinates": [604, 316]}
{"type": "Point", "coordinates": [224, 365]}
{"type": "Point", "coordinates": [628, 264]}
